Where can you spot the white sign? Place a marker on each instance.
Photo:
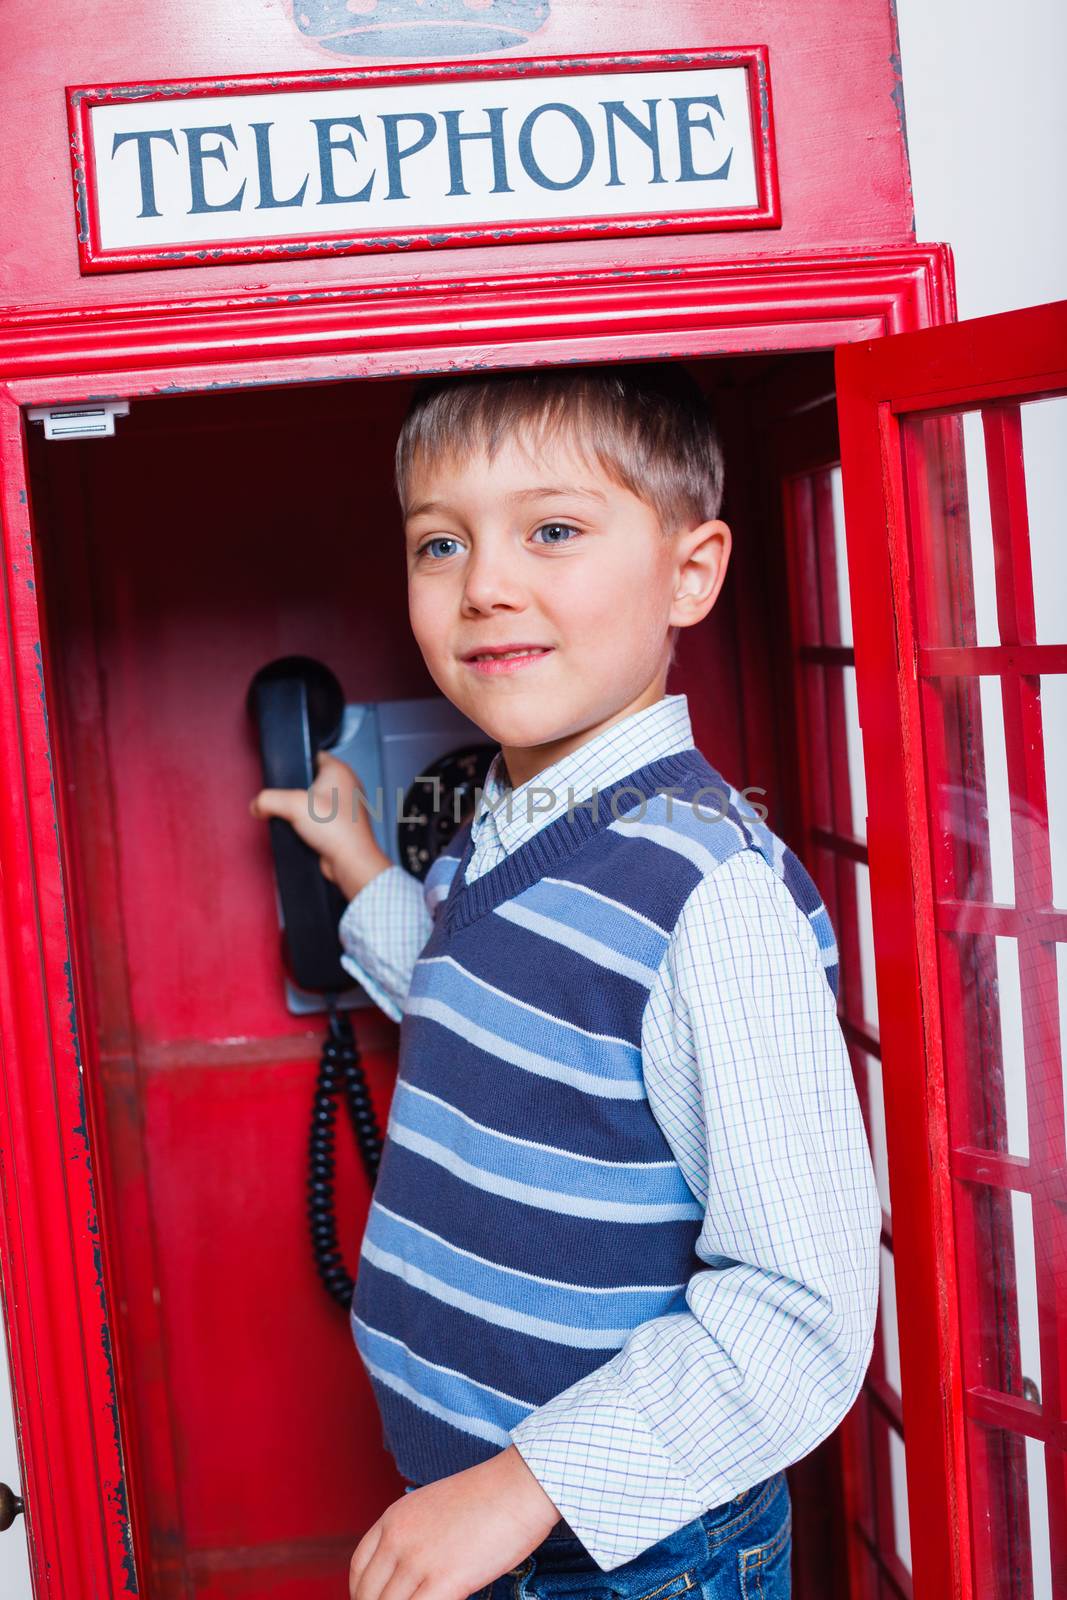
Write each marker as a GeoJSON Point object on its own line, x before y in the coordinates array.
{"type": "Point", "coordinates": [368, 164]}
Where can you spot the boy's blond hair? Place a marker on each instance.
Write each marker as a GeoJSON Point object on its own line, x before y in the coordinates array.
{"type": "Point", "coordinates": [645, 423]}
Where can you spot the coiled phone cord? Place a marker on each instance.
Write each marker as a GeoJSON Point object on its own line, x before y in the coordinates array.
{"type": "Point", "coordinates": [340, 1074]}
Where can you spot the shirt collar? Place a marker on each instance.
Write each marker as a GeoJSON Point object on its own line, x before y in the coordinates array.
{"type": "Point", "coordinates": [658, 730]}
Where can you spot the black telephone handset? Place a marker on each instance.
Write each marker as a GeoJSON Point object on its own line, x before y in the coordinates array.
{"type": "Point", "coordinates": [299, 708]}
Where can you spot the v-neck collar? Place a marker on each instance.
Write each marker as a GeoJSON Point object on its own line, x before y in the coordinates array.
{"type": "Point", "coordinates": [510, 817]}
{"type": "Point", "coordinates": [466, 902]}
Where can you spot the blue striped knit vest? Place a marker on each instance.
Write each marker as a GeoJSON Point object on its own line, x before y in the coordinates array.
{"type": "Point", "coordinates": [528, 1212]}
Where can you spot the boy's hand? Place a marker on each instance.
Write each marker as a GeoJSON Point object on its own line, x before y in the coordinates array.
{"type": "Point", "coordinates": [331, 817]}
{"type": "Point", "coordinates": [450, 1538]}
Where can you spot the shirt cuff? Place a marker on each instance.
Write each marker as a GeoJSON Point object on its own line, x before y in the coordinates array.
{"type": "Point", "coordinates": [380, 996]}
{"type": "Point", "coordinates": [598, 1460]}
{"type": "Point", "coordinates": [382, 929]}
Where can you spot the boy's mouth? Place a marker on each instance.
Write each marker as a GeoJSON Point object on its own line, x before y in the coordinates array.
{"type": "Point", "coordinates": [506, 658]}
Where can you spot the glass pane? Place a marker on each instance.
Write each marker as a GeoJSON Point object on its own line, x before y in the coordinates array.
{"type": "Point", "coordinates": [994, 875]}
{"type": "Point", "coordinates": [1012, 1090]}
{"type": "Point", "coordinates": [998, 1290]}
{"type": "Point", "coordinates": [954, 569]}
{"type": "Point", "coordinates": [971, 1035]}
{"type": "Point", "coordinates": [998, 810]}
{"type": "Point", "coordinates": [1022, 1228]}
{"type": "Point", "coordinates": [819, 734]}
{"type": "Point", "coordinates": [1040, 1555]}
{"type": "Point", "coordinates": [866, 943]}
{"type": "Point", "coordinates": [970, 793]}
{"type": "Point", "coordinates": [899, 1479]}
{"type": "Point", "coordinates": [980, 478]}
{"type": "Point", "coordinates": [1010, 1513]}
{"type": "Point", "coordinates": [1044, 430]}
{"type": "Point", "coordinates": [837, 506]}
{"type": "Point", "coordinates": [837, 793]}
{"type": "Point", "coordinates": [854, 742]}
{"type": "Point", "coordinates": [872, 1068]}
{"type": "Point", "coordinates": [980, 535]}
{"type": "Point", "coordinates": [887, 1321]}
{"type": "Point", "coordinates": [800, 518]}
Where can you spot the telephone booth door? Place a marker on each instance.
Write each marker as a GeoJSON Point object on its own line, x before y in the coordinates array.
{"type": "Point", "coordinates": [954, 448]}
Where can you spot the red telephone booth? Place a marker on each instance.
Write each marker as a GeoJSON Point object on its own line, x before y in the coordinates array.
{"type": "Point", "coordinates": [243, 232]}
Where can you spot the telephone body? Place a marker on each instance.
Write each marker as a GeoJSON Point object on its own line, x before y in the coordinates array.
{"type": "Point", "coordinates": [420, 761]}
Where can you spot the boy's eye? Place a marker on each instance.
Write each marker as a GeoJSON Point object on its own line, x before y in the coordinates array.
{"type": "Point", "coordinates": [556, 528]}
{"type": "Point", "coordinates": [441, 538]}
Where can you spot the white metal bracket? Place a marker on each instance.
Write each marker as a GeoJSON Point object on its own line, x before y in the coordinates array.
{"type": "Point", "coordinates": [80, 422]}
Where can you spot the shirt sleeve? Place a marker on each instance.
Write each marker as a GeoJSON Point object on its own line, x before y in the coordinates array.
{"type": "Point", "coordinates": [747, 1073]}
{"type": "Point", "coordinates": [382, 932]}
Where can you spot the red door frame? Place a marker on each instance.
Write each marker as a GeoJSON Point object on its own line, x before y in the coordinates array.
{"type": "Point", "coordinates": [832, 841]}
{"type": "Point", "coordinates": [879, 384]}
{"type": "Point", "coordinates": [67, 1363]}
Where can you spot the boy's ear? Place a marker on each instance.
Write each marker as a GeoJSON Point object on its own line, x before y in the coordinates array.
{"type": "Point", "coordinates": [703, 555]}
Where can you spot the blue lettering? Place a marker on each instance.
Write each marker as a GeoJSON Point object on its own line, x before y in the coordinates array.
{"type": "Point", "coordinates": [267, 197]}
{"type": "Point", "coordinates": [526, 155]}
{"type": "Point", "coordinates": [391, 121]}
{"type": "Point", "coordinates": [197, 157]}
{"type": "Point", "coordinates": [324, 127]}
{"type": "Point", "coordinates": [144, 158]}
{"type": "Point", "coordinates": [686, 124]}
{"type": "Point", "coordinates": [649, 136]}
{"type": "Point", "coordinates": [495, 132]}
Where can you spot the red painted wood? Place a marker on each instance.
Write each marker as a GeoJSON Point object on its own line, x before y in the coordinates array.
{"type": "Point", "coordinates": [703, 307]}
{"type": "Point", "coordinates": [836, 87]}
{"type": "Point", "coordinates": [151, 997]}
{"type": "Point", "coordinates": [149, 925]}
{"type": "Point", "coordinates": [132, 903]}
{"type": "Point", "coordinates": [55, 1254]}
{"type": "Point", "coordinates": [913, 609]}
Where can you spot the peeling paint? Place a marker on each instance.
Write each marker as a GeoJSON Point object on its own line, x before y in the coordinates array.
{"type": "Point", "coordinates": [896, 94]}
{"type": "Point", "coordinates": [114, 1493]}
{"type": "Point", "coordinates": [764, 97]}
{"type": "Point", "coordinates": [81, 206]}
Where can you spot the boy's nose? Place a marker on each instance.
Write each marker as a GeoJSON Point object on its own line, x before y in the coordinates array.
{"type": "Point", "coordinates": [491, 580]}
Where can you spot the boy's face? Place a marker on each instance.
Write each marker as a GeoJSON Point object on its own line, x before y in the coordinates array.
{"type": "Point", "coordinates": [544, 550]}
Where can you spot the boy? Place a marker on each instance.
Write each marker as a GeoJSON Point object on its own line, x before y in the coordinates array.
{"type": "Point", "coordinates": [621, 1263]}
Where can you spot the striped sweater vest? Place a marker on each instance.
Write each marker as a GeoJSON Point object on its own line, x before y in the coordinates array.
{"type": "Point", "coordinates": [528, 1212]}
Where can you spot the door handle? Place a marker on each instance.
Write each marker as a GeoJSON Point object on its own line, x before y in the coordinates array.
{"type": "Point", "coordinates": [11, 1506]}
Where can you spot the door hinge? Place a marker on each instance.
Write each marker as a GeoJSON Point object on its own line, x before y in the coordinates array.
{"type": "Point", "coordinates": [80, 422]}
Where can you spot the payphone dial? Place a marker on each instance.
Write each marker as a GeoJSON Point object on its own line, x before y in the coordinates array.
{"type": "Point", "coordinates": [421, 763]}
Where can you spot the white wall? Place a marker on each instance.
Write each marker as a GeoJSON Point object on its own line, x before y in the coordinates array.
{"type": "Point", "coordinates": [987, 127]}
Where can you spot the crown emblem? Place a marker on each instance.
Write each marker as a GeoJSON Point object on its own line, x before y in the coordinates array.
{"type": "Point", "coordinates": [419, 27]}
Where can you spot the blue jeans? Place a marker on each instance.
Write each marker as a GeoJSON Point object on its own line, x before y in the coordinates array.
{"type": "Point", "coordinates": [737, 1551]}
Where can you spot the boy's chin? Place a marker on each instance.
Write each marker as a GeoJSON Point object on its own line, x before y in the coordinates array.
{"type": "Point", "coordinates": [511, 729]}
{"type": "Point", "coordinates": [514, 735]}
